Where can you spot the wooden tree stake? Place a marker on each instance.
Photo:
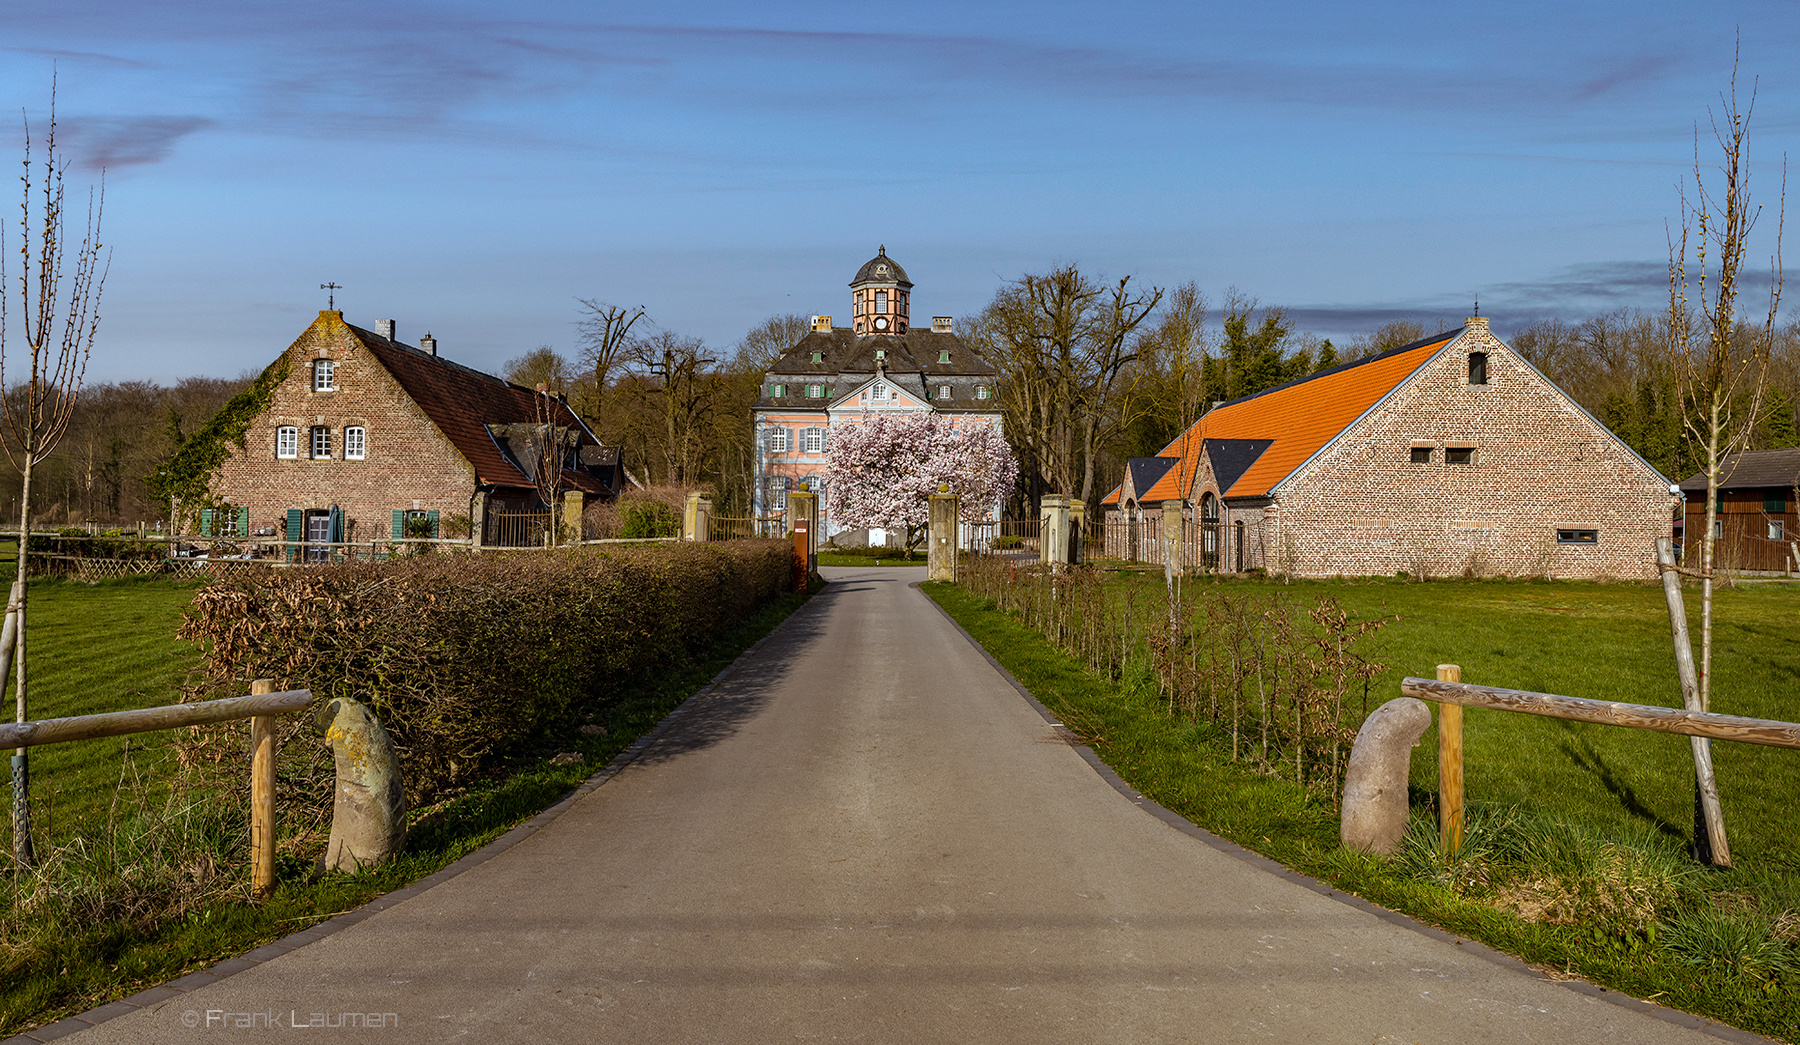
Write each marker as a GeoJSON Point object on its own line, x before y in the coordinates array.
{"type": "Point", "coordinates": [262, 797]}
{"type": "Point", "coordinates": [1450, 767]}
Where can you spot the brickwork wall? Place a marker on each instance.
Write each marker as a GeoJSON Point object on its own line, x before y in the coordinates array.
{"type": "Point", "coordinates": [1540, 464]}
{"type": "Point", "coordinates": [407, 459]}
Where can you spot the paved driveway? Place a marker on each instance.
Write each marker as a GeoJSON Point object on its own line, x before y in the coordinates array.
{"type": "Point", "coordinates": [864, 833]}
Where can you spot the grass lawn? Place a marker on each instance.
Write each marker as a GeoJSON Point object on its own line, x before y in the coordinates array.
{"type": "Point", "coordinates": [1588, 640]}
{"type": "Point", "coordinates": [107, 647]}
{"type": "Point", "coordinates": [111, 646]}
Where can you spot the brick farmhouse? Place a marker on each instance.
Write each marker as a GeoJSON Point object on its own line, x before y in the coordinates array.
{"type": "Point", "coordinates": [399, 440]}
{"type": "Point", "coordinates": [1452, 455]}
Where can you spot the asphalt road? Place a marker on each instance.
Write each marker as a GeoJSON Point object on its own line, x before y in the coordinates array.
{"type": "Point", "coordinates": [864, 833]}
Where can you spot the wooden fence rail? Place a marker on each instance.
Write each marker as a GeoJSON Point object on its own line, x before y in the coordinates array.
{"type": "Point", "coordinates": [260, 707]}
{"type": "Point", "coordinates": [1452, 695]}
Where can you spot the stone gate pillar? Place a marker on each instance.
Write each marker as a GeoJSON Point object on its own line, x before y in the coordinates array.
{"type": "Point", "coordinates": [574, 501]}
{"type": "Point", "coordinates": [1172, 520]}
{"type": "Point", "coordinates": [941, 561]}
{"type": "Point", "coordinates": [803, 507]}
{"type": "Point", "coordinates": [1077, 529]}
{"type": "Point", "coordinates": [1053, 530]}
{"type": "Point", "coordinates": [696, 521]}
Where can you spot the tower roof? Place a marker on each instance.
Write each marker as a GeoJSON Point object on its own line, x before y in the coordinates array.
{"type": "Point", "coordinates": [881, 269]}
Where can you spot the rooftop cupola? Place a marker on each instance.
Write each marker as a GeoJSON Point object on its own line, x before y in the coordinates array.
{"type": "Point", "coordinates": [880, 296]}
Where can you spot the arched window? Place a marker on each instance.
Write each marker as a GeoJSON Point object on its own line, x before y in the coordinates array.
{"type": "Point", "coordinates": [1209, 531]}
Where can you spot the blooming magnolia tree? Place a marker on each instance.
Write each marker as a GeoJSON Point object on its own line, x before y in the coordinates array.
{"type": "Point", "coordinates": [883, 469]}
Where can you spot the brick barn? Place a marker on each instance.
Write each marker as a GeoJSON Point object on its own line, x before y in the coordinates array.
{"type": "Point", "coordinates": [1449, 456]}
{"type": "Point", "coordinates": [401, 441]}
{"type": "Point", "coordinates": [1755, 524]}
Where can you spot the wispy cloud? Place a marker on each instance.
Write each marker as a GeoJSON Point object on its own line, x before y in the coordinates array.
{"type": "Point", "coordinates": [81, 57]}
{"type": "Point", "coordinates": [126, 141]}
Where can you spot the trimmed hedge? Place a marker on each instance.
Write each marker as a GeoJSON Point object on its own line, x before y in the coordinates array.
{"type": "Point", "coordinates": [470, 658]}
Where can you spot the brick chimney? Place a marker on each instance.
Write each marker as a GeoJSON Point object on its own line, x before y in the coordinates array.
{"type": "Point", "coordinates": [940, 324]}
{"type": "Point", "coordinates": [385, 327]}
{"type": "Point", "coordinates": [1477, 323]}
{"type": "Point", "coordinates": [428, 344]}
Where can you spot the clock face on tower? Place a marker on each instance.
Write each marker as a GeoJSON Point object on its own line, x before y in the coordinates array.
{"type": "Point", "coordinates": [880, 322]}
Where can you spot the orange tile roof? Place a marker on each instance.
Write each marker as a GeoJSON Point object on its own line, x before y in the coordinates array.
{"type": "Point", "coordinates": [1301, 417]}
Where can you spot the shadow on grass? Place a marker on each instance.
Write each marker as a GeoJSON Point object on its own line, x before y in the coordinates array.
{"type": "Point", "coordinates": [1584, 756]}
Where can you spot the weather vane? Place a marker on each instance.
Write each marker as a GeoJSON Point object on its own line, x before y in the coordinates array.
{"type": "Point", "coordinates": [331, 295]}
{"type": "Point", "coordinates": [1478, 306]}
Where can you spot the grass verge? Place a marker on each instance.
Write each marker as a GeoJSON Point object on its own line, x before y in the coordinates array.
{"type": "Point", "coordinates": [1619, 884]}
{"type": "Point", "coordinates": [78, 935]}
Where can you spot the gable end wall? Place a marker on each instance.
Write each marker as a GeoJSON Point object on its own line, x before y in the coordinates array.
{"type": "Point", "coordinates": [408, 458]}
{"type": "Point", "coordinates": [1361, 507]}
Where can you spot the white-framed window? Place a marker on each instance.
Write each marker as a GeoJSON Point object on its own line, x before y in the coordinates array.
{"type": "Point", "coordinates": [287, 441]}
{"type": "Point", "coordinates": [943, 391]}
{"type": "Point", "coordinates": [815, 391]}
{"type": "Point", "coordinates": [778, 440]}
{"type": "Point", "coordinates": [981, 391]}
{"type": "Point", "coordinates": [878, 393]}
{"type": "Point", "coordinates": [1777, 530]}
{"type": "Point", "coordinates": [355, 443]}
{"type": "Point", "coordinates": [880, 301]}
{"type": "Point", "coordinates": [324, 375]}
{"type": "Point", "coordinates": [321, 442]}
{"type": "Point", "coordinates": [778, 489]}
{"type": "Point", "coordinates": [812, 440]}
{"type": "Point", "coordinates": [1718, 528]}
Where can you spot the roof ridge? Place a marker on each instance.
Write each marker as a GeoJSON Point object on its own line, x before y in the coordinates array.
{"type": "Point", "coordinates": [1353, 364]}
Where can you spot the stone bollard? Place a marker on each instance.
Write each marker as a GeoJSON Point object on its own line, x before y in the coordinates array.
{"type": "Point", "coordinates": [368, 815]}
{"type": "Point", "coordinates": [1375, 810]}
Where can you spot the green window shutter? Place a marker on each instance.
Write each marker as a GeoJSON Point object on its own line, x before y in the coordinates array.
{"type": "Point", "coordinates": [399, 529]}
{"type": "Point", "coordinates": [206, 516]}
{"type": "Point", "coordinates": [433, 516]}
{"type": "Point", "coordinates": [1775, 502]}
{"type": "Point", "coordinates": [295, 519]}
{"type": "Point", "coordinates": [243, 521]}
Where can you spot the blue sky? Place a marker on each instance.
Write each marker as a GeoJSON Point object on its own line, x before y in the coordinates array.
{"type": "Point", "coordinates": [473, 174]}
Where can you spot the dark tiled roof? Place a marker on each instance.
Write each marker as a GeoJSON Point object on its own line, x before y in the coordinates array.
{"type": "Point", "coordinates": [462, 402]}
{"type": "Point", "coordinates": [847, 359]}
{"type": "Point", "coordinates": [1145, 471]}
{"type": "Point", "coordinates": [868, 273]}
{"type": "Point", "coordinates": [1752, 469]}
{"type": "Point", "coordinates": [1231, 458]}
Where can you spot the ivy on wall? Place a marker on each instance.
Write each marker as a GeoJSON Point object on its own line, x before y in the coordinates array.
{"type": "Point", "coordinates": [185, 480]}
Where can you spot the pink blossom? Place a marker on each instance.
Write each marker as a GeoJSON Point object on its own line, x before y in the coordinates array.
{"type": "Point", "coordinates": [883, 468]}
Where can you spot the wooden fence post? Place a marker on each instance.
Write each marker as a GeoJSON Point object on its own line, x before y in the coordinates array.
{"type": "Point", "coordinates": [1450, 767]}
{"type": "Point", "coordinates": [262, 797]}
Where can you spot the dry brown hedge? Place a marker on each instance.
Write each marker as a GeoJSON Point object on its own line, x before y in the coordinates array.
{"type": "Point", "coordinates": [467, 658]}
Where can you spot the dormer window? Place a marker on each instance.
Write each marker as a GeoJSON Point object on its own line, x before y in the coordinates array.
{"type": "Point", "coordinates": [943, 392]}
{"type": "Point", "coordinates": [777, 391]}
{"type": "Point", "coordinates": [324, 375]}
{"type": "Point", "coordinates": [818, 357]}
{"type": "Point", "coordinates": [815, 391]}
{"type": "Point", "coordinates": [1478, 368]}
{"type": "Point", "coordinates": [981, 391]}
{"type": "Point", "coordinates": [944, 356]}
{"type": "Point", "coordinates": [881, 354]}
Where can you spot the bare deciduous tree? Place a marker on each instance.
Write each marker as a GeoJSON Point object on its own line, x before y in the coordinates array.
{"type": "Point", "coordinates": [58, 316]}
{"type": "Point", "coordinates": [1064, 345]}
{"type": "Point", "coordinates": [605, 342]}
{"type": "Point", "coordinates": [1720, 362]}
